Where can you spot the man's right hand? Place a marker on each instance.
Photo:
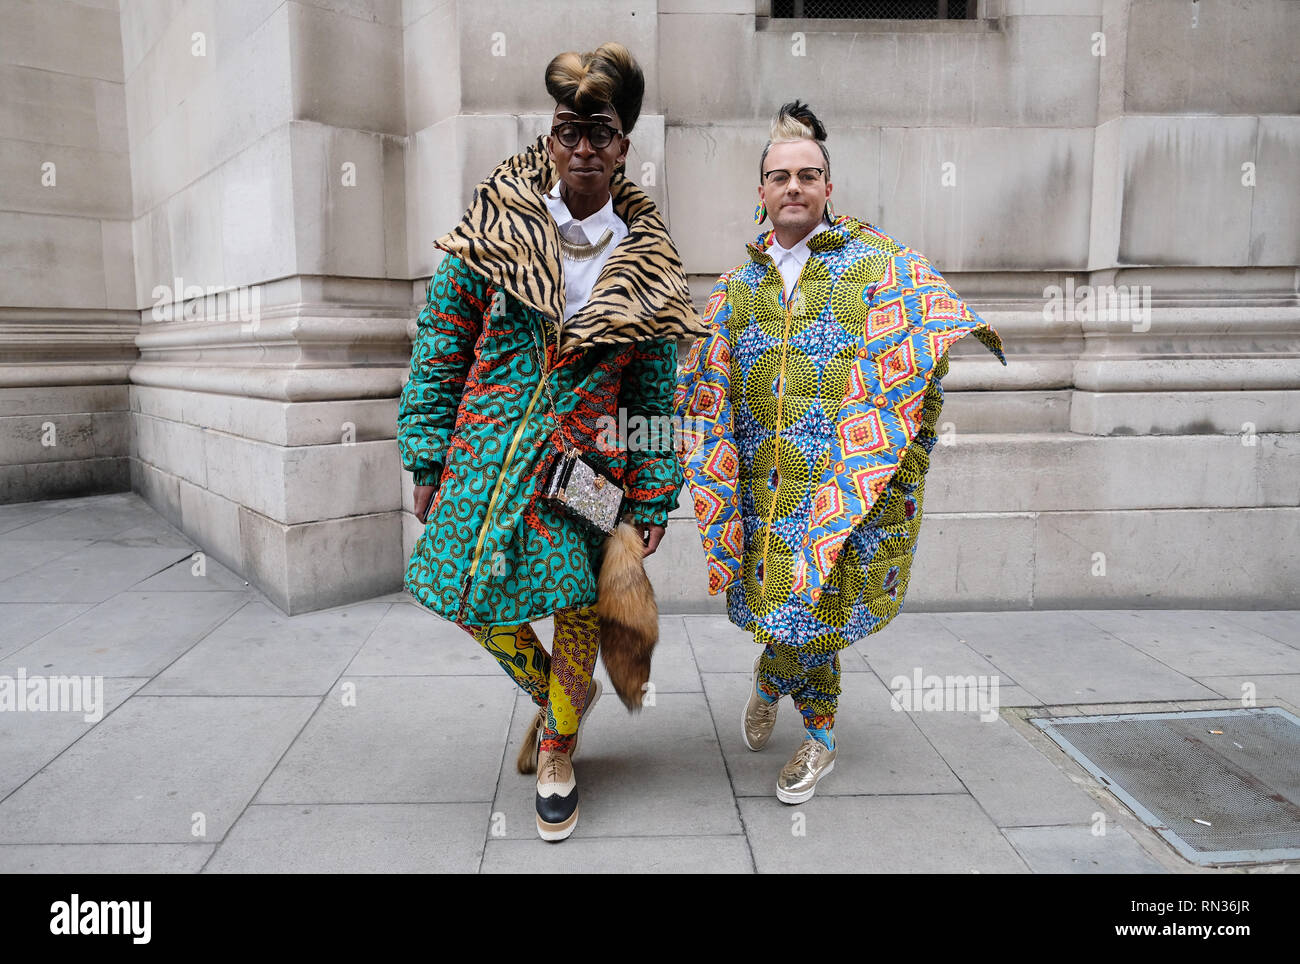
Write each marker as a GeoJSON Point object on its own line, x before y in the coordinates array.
{"type": "Point", "coordinates": [423, 499]}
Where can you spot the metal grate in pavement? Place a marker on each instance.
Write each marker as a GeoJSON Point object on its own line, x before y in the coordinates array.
{"type": "Point", "coordinates": [1226, 797]}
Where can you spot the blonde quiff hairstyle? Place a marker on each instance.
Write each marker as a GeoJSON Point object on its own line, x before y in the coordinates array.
{"type": "Point", "coordinates": [607, 75]}
{"type": "Point", "coordinates": [795, 121]}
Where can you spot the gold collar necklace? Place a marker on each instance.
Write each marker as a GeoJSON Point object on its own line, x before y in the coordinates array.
{"type": "Point", "coordinates": [582, 252]}
{"type": "Point", "coordinates": [585, 252]}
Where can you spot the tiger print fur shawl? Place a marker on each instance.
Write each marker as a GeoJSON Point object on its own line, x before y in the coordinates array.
{"type": "Point", "coordinates": [509, 237]}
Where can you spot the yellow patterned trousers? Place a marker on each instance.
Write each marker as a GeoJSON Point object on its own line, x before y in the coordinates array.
{"type": "Point", "coordinates": [557, 682]}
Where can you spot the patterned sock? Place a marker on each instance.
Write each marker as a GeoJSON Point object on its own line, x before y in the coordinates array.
{"type": "Point", "coordinates": [824, 734]}
{"type": "Point", "coordinates": [820, 728]}
{"type": "Point", "coordinates": [558, 743]}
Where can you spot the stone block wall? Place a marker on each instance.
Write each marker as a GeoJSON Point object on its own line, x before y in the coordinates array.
{"type": "Point", "coordinates": [213, 303]}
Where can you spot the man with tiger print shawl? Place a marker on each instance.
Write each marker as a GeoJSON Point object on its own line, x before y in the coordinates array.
{"type": "Point", "coordinates": [476, 424]}
{"type": "Point", "coordinates": [818, 386]}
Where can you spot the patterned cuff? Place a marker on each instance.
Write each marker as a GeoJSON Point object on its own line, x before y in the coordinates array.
{"type": "Point", "coordinates": [428, 476]}
{"type": "Point", "coordinates": [647, 513]}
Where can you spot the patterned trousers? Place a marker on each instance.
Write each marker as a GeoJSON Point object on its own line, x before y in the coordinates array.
{"type": "Point", "coordinates": [810, 676]}
{"type": "Point", "coordinates": [557, 682]}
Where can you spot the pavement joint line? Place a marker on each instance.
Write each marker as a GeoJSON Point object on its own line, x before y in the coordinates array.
{"type": "Point", "coordinates": [167, 591]}
{"type": "Point", "coordinates": [261, 784]}
{"type": "Point", "coordinates": [110, 843]}
{"type": "Point", "coordinates": [658, 690]}
{"type": "Point", "coordinates": [717, 736]}
{"type": "Point", "coordinates": [1083, 615]}
{"type": "Point", "coordinates": [288, 746]}
{"type": "Point", "coordinates": [221, 623]}
{"type": "Point", "coordinates": [17, 602]}
{"type": "Point", "coordinates": [212, 628]}
{"type": "Point", "coordinates": [1261, 632]}
{"type": "Point", "coordinates": [911, 716]}
{"type": "Point", "coordinates": [372, 803]}
{"type": "Point", "coordinates": [375, 803]}
{"type": "Point", "coordinates": [1239, 675]}
{"type": "Point", "coordinates": [831, 794]}
{"type": "Point", "coordinates": [82, 736]}
{"type": "Point", "coordinates": [496, 792]}
{"type": "Point", "coordinates": [46, 519]}
{"type": "Point", "coordinates": [240, 696]}
{"type": "Point", "coordinates": [1047, 826]}
{"type": "Point", "coordinates": [626, 836]}
{"type": "Point", "coordinates": [52, 629]}
{"type": "Point", "coordinates": [174, 562]}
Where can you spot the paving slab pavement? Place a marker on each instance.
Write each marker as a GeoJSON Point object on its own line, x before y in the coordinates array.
{"type": "Point", "coordinates": [375, 737]}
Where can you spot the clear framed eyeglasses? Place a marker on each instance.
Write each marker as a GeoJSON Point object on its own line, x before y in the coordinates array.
{"type": "Point", "coordinates": [807, 176]}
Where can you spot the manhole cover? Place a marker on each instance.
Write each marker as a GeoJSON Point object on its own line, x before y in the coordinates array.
{"type": "Point", "coordinates": [1222, 786]}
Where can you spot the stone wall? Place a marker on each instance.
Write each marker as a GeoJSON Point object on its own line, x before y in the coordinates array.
{"type": "Point", "coordinates": [67, 285]}
{"type": "Point", "coordinates": [298, 157]}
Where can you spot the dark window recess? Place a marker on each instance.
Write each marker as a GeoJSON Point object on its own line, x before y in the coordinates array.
{"type": "Point", "coordinates": [874, 9]}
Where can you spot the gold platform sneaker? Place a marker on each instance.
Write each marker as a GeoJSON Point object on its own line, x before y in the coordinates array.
{"type": "Point", "coordinates": [760, 715]}
{"type": "Point", "coordinates": [798, 778]}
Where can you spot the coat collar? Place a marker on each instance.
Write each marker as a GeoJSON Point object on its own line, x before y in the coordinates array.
{"type": "Point", "coordinates": [510, 238]}
{"type": "Point", "coordinates": [836, 235]}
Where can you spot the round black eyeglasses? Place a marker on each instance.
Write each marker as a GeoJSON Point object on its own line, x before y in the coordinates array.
{"type": "Point", "coordinates": [599, 136]}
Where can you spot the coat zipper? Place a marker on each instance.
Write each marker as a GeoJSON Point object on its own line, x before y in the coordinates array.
{"type": "Point", "coordinates": [780, 410]}
{"type": "Point", "coordinates": [496, 490]}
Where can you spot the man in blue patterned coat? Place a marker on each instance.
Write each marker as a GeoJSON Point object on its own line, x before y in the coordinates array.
{"type": "Point", "coordinates": [808, 413]}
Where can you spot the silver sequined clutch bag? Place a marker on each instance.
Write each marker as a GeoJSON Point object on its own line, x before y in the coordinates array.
{"type": "Point", "coordinates": [575, 486]}
{"type": "Point", "coordinates": [584, 493]}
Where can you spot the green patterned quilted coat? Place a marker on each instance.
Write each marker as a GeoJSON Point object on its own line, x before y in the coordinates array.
{"type": "Point", "coordinates": [475, 420]}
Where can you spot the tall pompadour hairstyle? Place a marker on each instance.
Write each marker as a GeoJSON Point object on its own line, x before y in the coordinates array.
{"type": "Point", "coordinates": [795, 121]}
{"type": "Point", "coordinates": [607, 75]}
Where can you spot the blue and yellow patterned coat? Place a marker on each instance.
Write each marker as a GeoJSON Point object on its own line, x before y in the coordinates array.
{"type": "Point", "coordinates": [807, 429]}
{"type": "Point", "coordinates": [475, 419]}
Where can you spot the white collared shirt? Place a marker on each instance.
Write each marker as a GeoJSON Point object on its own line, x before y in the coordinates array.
{"type": "Point", "coordinates": [580, 276]}
{"type": "Point", "coordinates": [790, 261]}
